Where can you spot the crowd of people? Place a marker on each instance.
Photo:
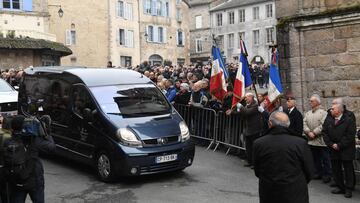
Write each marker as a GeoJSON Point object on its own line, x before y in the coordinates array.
{"type": "Point", "coordinates": [12, 76]}
{"type": "Point", "coordinates": [320, 145]}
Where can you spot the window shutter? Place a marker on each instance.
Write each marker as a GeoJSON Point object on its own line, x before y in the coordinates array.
{"type": "Point", "coordinates": [163, 9]}
{"type": "Point", "coordinates": [126, 38]}
{"type": "Point", "coordinates": [118, 36]}
{"type": "Point", "coordinates": [164, 34]}
{"type": "Point", "coordinates": [125, 10]}
{"type": "Point", "coordinates": [68, 37]}
{"type": "Point", "coordinates": [117, 8]}
{"type": "Point", "coordinates": [130, 11]}
{"type": "Point", "coordinates": [153, 7]}
{"type": "Point", "coordinates": [27, 5]}
{"type": "Point", "coordinates": [131, 38]}
{"type": "Point", "coordinates": [156, 34]}
{"type": "Point", "coordinates": [177, 37]}
{"type": "Point", "coordinates": [183, 38]}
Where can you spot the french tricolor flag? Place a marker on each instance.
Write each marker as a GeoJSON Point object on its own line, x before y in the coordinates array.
{"type": "Point", "coordinates": [243, 77]}
{"type": "Point", "coordinates": [217, 80]}
{"type": "Point", "coordinates": [275, 88]}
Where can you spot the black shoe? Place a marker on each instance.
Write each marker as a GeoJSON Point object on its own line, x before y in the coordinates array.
{"type": "Point", "coordinates": [326, 179]}
{"type": "Point", "coordinates": [252, 167]}
{"type": "Point", "coordinates": [338, 191]}
{"type": "Point", "coordinates": [348, 194]}
{"type": "Point", "coordinates": [247, 165]}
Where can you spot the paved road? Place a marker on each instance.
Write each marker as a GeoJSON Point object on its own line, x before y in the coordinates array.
{"type": "Point", "coordinates": [214, 177]}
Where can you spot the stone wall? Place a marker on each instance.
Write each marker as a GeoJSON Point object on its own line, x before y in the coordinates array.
{"type": "Point", "coordinates": [320, 53]}
{"type": "Point", "coordinates": [19, 58]}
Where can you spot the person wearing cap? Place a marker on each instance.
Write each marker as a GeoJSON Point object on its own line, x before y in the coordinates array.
{"type": "Point", "coordinates": [183, 96]}
{"type": "Point", "coordinates": [296, 118]}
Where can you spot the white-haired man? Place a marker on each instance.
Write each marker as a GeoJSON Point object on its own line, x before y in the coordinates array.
{"type": "Point", "coordinates": [283, 163]}
{"type": "Point", "coordinates": [339, 131]}
{"type": "Point", "coordinates": [313, 121]}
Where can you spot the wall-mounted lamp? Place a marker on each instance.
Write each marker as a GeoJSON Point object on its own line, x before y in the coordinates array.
{"type": "Point", "coordinates": [60, 11]}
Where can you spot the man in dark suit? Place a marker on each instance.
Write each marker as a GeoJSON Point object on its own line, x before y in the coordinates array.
{"type": "Point", "coordinates": [296, 118]}
{"type": "Point", "coordinates": [283, 163]}
{"type": "Point", "coordinates": [339, 131]}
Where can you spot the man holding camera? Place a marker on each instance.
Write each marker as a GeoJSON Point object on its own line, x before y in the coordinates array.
{"type": "Point", "coordinates": [23, 168]}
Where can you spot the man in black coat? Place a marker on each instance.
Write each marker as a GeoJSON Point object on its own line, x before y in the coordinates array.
{"type": "Point", "coordinates": [283, 163]}
{"type": "Point", "coordinates": [339, 131]}
{"type": "Point", "coordinates": [296, 118]}
{"type": "Point", "coordinates": [254, 125]}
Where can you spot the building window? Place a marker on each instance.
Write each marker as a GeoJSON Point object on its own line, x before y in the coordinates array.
{"type": "Point", "coordinates": [269, 11]}
{"type": "Point", "coordinates": [242, 15]}
{"type": "Point", "coordinates": [70, 37]}
{"type": "Point", "coordinates": [231, 40]}
{"type": "Point", "coordinates": [231, 17]}
{"type": "Point", "coordinates": [120, 8]}
{"type": "Point", "coordinates": [219, 19]}
{"type": "Point", "coordinates": [125, 61]}
{"type": "Point", "coordinates": [156, 34]}
{"type": "Point", "coordinates": [178, 15]}
{"type": "Point", "coordinates": [221, 42]}
{"type": "Point", "coordinates": [126, 37]}
{"type": "Point", "coordinates": [159, 8]}
{"type": "Point", "coordinates": [122, 37]}
{"type": "Point", "coordinates": [180, 38]}
{"type": "Point", "coordinates": [161, 34]}
{"type": "Point", "coordinates": [270, 35]}
{"type": "Point", "coordinates": [256, 13]}
{"type": "Point", "coordinates": [150, 33]}
{"type": "Point", "coordinates": [256, 37]}
{"type": "Point", "coordinates": [199, 47]}
{"type": "Point", "coordinates": [180, 61]}
{"type": "Point", "coordinates": [241, 36]}
{"type": "Point", "coordinates": [147, 6]}
{"type": "Point", "coordinates": [156, 7]}
{"type": "Point", "coordinates": [198, 22]}
{"type": "Point", "coordinates": [11, 4]}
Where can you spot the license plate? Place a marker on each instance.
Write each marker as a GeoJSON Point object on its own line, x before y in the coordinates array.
{"type": "Point", "coordinates": [167, 158]}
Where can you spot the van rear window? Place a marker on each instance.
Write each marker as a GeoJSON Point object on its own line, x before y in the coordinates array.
{"type": "Point", "coordinates": [131, 100]}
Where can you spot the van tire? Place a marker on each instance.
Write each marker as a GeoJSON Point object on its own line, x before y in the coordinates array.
{"type": "Point", "coordinates": [105, 167]}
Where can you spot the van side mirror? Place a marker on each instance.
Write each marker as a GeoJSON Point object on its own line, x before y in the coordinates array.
{"type": "Point", "coordinates": [88, 116]}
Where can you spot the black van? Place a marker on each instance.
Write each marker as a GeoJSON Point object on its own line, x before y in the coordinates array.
{"type": "Point", "coordinates": [116, 120]}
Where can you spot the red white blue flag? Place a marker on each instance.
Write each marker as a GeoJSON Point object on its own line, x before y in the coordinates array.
{"type": "Point", "coordinates": [275, 88]}
{"type": "Point", "coordinates": [217, 80]}
{"type": "Point", "coordinates": [243, 77]}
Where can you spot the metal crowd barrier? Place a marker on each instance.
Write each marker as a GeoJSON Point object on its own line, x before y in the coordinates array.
{"type": "Point", "coordinates": [216, 127]}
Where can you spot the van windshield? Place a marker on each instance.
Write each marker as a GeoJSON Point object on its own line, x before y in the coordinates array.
{"type": "Point", "coordinates": [131, 100]}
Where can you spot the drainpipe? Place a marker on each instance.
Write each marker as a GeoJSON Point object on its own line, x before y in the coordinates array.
{"type": "Point", "coordinates": [109, 30]}
{"type": "Point", "coordinates": [140, 35]}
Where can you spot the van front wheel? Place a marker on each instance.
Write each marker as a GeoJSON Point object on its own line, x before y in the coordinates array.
{"type": "Point", "coordinates": [105, 168]}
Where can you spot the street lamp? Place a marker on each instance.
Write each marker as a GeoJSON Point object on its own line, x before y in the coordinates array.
{"type": "Point", "coordinates": [60, 11]}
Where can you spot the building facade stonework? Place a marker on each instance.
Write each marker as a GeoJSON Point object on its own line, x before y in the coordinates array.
{"type": "Point", "coordinates": [125, 32]}
{"type": "Point", "coordinates": [252, 20]}
{"type": "Point", "coordinates": [319, 50]}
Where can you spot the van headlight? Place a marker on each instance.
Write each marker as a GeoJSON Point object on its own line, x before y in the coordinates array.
{"type": "Point", "coordinates": [185, 135]}
{"type": "Point", "coordinates": [127, 137]}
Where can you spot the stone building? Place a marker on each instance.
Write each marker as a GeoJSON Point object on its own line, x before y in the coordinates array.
{"type": "Point", "coordinates": [25, 39]}
{"type": "Point", "coordinates": [252, 20]}
{"type": "Point", "coordinates": [200, 32]}
{"type": "Point", "coordinates": [319, 50]}
{"type": "Point", "coordinates": [125, 32]}
{"type": "Point", "coordinates": [164, 31]}
{"type": "Point", "coordinates": [84, 28]}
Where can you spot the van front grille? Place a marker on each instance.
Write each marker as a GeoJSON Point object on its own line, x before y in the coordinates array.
{"type": "Point", "coordinates": [162, 141]}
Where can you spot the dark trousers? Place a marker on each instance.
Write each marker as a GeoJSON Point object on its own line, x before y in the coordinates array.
{"type": "Point", "coordinates": [36, 195]}
{"type": "Point", "coordinates": [338, 174]}
{"type": "Point", "coordinates": [249, 141]}
{"type": "Point", "coordinates": [322, 161]}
